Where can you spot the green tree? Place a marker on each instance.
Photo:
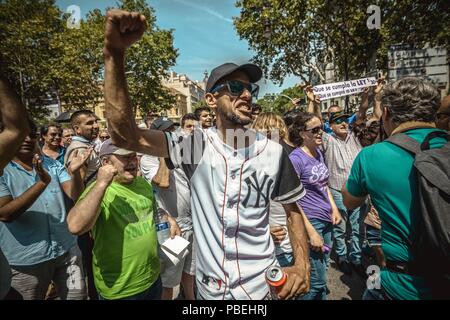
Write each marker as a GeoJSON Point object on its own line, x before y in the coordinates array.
{"type": "Point", "coordinates": [27, 57]}
{"type": "Point", "coordinates": [45, 60]}
{"type": "Point", "coordinates": [148, 61]}
{"type": "Point", "coordinates": [199, 104]}
{"type": "Point", "coordinates": [78, 72]}
{"type": "Point", "coordinates": [302, 37]}
{"type": "Point", "coordinates": [282, 102]}
{"type": "Point", "coordinates": [416, 22]}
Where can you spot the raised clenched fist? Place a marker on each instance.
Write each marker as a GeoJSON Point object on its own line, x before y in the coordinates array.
{"type": "Point", "coordinates": [123, 28]}
{"type": "Point", "coordinates": [106, 174]}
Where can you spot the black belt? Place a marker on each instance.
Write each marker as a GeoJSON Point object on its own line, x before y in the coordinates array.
{"type": "Point", "coordinates": [403, 267]}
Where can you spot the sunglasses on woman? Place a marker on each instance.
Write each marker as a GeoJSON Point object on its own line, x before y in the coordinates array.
{"type": "Point", "coordinates": [236, 88]}
{"type": "Point", "coordinates": [315, 130]}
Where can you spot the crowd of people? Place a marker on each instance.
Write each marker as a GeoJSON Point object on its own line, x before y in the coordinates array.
{"type": "Point", "coordinates": [247, 189]}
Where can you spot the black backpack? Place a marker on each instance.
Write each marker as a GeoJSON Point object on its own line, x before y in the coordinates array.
{"type": "Point", "coordinates": [430, 243]}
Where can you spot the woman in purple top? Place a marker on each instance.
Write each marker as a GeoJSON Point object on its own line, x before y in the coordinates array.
{"type": "Point", "coordinates": [318, 204]}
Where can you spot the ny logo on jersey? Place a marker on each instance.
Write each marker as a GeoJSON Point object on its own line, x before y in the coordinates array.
{"type": "Point", "coordinates": [253, 184]}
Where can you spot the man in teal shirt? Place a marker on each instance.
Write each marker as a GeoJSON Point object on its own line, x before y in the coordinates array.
{"type": "Point", "coordinates": [118, 210]}
{"type": "Point", "coordinates": [385, 172]}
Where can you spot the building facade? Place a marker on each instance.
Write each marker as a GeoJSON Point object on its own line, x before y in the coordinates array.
{"type": "Point", "coordinates": [179, 109]}
{"type": "Point", "coordinates": [193, 90]}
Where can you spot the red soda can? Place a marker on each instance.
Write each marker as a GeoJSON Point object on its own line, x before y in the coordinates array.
{"type": "Point", "coordinates": [275, 278]}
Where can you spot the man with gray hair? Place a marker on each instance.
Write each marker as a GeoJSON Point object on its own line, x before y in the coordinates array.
{"type": "Point", "coordinates": [385, 172]}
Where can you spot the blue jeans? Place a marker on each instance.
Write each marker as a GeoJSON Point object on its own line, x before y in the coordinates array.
{"type": "Point", "coordinates": [285, 259]}
{"type": "Point", "coordinates": [152, 293]}
{"type": "Point", "coordinates": [318, 262]}
{"type": "Point", "coordinates": [339, 231]}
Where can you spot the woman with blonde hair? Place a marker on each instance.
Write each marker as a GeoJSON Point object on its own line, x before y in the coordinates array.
{"type": "Point", "coordinates": [269, 124]}
{"type": "Point", "coordinates": [272, 125]}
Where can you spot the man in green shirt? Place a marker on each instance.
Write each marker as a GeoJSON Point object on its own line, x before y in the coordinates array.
{"type": "Point", "coordinates": [118, 210]}
{"type": "Point", "coordinates": [385, 172]}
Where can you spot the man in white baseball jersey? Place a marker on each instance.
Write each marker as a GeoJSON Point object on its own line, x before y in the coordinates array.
{"type": "Point", "coordinates": [231, 184]}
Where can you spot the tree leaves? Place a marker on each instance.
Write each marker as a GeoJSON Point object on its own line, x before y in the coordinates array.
{"type": "Point", "coordinates": [280, 103]}
{"type": "Point", "coordinates": [45, 61]}
{"type": "Point", "coordinates": [306, 35]}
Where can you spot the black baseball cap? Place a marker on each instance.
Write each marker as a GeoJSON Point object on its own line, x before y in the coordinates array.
{"type": "Point", "coordinates": [161, 123]}
{"type": "Point", "coordinates": [253, 72]}
{"type": "Point", "coordinates": [337, 115]}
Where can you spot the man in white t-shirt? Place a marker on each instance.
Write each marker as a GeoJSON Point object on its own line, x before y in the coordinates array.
{"type": "Point", "coordinates": [231, 183]}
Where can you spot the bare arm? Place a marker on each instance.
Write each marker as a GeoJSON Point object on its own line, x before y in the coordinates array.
{"type": "Point", "coordinates": [313, 101]}
{"type": "Point", "coordinates": [377, 111]}
{"type": "Point", "coordinates": [11, 209]}
{"type": "Point", "coordinates": [298, 275]}
{"type": "Point", "coordinates": [363, 106]}
{"type": "Point", "coordinates": [122, 30]}
{"type": "Point", "coordinates": [84, 214]}
{"type": "Point", "coordinates": [351, 202]}
{"type": "Point", "coordinates": [335, 214]}
{"type": "Point", "coordinates": [74, 187]}
{"type": "Point", "coordinates": [14, 119]}
{"type": "Point", "coordinates": [162, 177]}
{"type": "Point", "coordinates": [314, 238]}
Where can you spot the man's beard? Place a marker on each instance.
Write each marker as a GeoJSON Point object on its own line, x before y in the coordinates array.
{"type": "Point", "coordinates": [235, 119]}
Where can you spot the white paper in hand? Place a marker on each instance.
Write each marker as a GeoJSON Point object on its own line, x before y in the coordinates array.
{"type": "Point", "coordinates": [175, 249]}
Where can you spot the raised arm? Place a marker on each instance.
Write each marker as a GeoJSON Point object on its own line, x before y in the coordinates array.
{"type": "Point", "coordinates": [84, 214]}
{"type": "Point", "coordinates": [377, 111]}
{"type": "Point", "coordinates": [122, 30]}
{"type": "Point", "coordinates": [162, 177]}
{"type": "Point", "coordinates": [15, 124]}
{"type": "Point", "coordinates": [298, 275]}
{"type": "Point", "coordinates": [313, 101]}
{"type": "Point", "coordinates": [363, 106]}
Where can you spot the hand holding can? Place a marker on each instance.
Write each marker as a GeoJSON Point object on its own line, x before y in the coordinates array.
{"type": "Point", "coordinates": [275, 278]}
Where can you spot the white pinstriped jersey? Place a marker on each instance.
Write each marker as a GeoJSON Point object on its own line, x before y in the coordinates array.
{"type": "Point", "coordinates": [230, 197]}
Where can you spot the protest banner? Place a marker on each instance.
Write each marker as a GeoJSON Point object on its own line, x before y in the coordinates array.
{"type": "Point", "coordinates": [344, 88]}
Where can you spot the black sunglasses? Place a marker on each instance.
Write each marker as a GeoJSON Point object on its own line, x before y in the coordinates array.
{"type": "Point", "coordinates": [341, 120]}
{"type": "Point", "coordinates": [315, 130]}
{"type": "Point", "coordinates": [236, 88]}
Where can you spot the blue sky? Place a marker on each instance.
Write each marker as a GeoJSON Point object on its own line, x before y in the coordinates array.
{"type": "Point", "coordinates": [203, 34]}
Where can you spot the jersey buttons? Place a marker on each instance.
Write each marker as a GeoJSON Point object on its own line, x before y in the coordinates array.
{"type": "Point", "coordinates": [230, 204]}
{"type": "Point", "coordinates": [230, 232]}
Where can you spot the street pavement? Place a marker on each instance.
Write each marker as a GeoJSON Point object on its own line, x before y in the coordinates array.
{"type": "Point", "coordinates": [344, 287]}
